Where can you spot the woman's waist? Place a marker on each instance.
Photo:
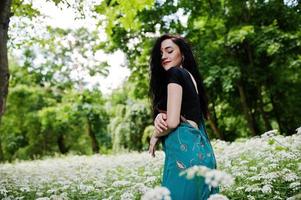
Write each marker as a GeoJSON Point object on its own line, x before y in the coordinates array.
{"type": "Point", "coordinates": [192, 123]}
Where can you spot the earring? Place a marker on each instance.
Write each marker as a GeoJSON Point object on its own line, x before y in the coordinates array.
{"type": "Point", "coordinates": [182, 58]}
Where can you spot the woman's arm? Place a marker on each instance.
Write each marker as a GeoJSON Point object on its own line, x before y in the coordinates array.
{"type": "Point", "coordinates": [174, 101]}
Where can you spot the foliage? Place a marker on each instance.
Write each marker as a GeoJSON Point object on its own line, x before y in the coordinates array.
{"type": "Point", "coordinates": [43, 120]}
{"type": "Point", "coordinates": [248, 54]}
{"type": "Point", "coordinates": [128, 122]}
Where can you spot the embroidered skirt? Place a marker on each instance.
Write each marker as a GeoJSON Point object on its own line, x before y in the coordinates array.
{"type": "Point", "coordinates": [184, 147]}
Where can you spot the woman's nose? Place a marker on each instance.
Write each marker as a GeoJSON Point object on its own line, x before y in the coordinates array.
{"type": "Point", "coordinates": [163, 56]}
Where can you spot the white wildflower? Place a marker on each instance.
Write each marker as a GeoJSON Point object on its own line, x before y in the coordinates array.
{"type": "Point", "coordinates": [216, 177]}
{"type": "Point", "coordinates": [39, 194]}
{"type": "Point", "coordinates": [266, 189]}
{"type": "Point", "coordinates": [290, 177]}
{"type": "Point", "coordinates": [294, 185]}
{"type": "Point", "coordinates": [196, 170]}
{"type": "Point", "coordinates": [85, 188]}
{"type": "Point", "coordinates": [239, 188]}
{"type": "Point", "coordinates": [217, 197]}
{"type": "Point", "coordinates": [277, 197]}
{"type": "Point", "coordinates": [57, 197]}
{"type": "Point", "coordinates": [269, 133]}
{"type": "Point", "coordinates": [296, 197]}
{"type": "Point", "coordinates": [252, 188]}
{"type": "Point", "coordinates": [141, 188]}
{"type": "Point", "coordinates": [25, 189]}
{"type": "Point", "coordinates": [3, 190]}
{"type": "Point", "coordinates": [243, 162]}
{"type": "Point", "coordinates": [250, 197]}
{"type": "Point", "coordinates": [51, 191]}
{"type": "Point", "coordinates": [64, 195]}
{"type": "Point", "coordinates": [253, 168]}
{"type": "Point", "coordinates": [270, 176]}
{"type": "Point", "coordinates": [213, 177]}
{"type": "Point", "coordinates": [120, 183]}
{"type": "Point", "coordinates": [151, 179]}
{"type": "Point", "coordinates": [255, 178]}
{"type": "Point", "coordinates": [99, 184]}
{"type": "Point", "coordinates": [158, 193]}
{"type": "Point", "coordinates": [127, 196]}
{"type": "Point", "coordinates": [273, 165]}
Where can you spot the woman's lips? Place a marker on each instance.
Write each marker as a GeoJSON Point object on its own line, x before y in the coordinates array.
{"type": "Point", "coordinates": [165, 62]}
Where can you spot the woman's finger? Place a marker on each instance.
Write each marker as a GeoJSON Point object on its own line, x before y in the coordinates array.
{"type": "Point", "coordinates": [162, 127]}
{"type": "Point", "coordinates": [164, 117]}
{"type": "Point", "coordinates": [157, 118]}
{"type": "Point", "coordinates": [162, 123]}
{"type": "Point", "coordinates": [151, 150]}
{"type": "Point", "coordinates": [154, 150]}
{"type": "Point", "coordinates": [157, 127]}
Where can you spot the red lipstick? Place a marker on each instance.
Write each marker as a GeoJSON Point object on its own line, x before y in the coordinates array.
{"type": "Point", "coordinates": [165, 62]}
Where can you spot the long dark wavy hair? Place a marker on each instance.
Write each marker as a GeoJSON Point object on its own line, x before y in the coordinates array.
{"type": "Point", "coordinates": [158, 83]}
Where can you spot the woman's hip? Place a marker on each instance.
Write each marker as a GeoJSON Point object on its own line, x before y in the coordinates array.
{"type": "Point", "coordinates": [185, 135]}
{"type": "Point", "coordinates": [186, 146]}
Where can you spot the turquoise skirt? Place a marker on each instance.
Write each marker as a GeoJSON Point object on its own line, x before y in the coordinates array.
{"type": "Point", "coordinates": [185, 147]}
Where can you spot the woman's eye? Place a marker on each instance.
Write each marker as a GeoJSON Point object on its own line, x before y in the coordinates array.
{"type": "Point", "coordinates": [170, 51]}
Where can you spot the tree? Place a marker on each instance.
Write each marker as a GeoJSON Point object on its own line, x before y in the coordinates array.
{"type": "Point", "coordinates": [239, 47]}
{"type": "Point", "coordinates": [56, 46]}
{"type": "Point", "coordinates": [4, 73]}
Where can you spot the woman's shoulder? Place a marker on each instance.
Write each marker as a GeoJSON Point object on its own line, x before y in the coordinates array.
{"type": "Point", "coordinates": [176, 71]}
{"type": "Point", "coordinates": [176, 75]}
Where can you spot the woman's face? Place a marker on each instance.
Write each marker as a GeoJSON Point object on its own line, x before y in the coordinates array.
{"type": "Point", "coordinates": [171, 54]}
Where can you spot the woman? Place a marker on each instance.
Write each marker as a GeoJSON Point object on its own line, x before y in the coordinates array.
{"type": "Point", "coordinates": [179, 104]}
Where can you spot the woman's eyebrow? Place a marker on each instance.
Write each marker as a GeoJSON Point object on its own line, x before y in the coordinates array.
{"type": "Point", "coordinates": [166, 47]}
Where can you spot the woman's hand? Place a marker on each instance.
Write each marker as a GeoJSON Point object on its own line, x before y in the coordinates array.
{"type": "Point", "coordinates": [160, 126]}
{"type": "Point", "coordinates": [152, 145]}
{"type": "Point", "coordinates": [160, 122]}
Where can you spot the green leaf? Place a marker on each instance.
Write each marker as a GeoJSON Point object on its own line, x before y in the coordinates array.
{"type": "Point", "coordinates": [239, 34]}
{"type": "Point", "coordinates": [273, 48]}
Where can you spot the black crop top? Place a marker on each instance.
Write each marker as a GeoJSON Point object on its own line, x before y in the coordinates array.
{"type": "Point", "coordinates": [190, 107]}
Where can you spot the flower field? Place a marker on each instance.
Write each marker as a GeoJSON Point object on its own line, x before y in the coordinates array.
{"type": "Point", "coordinates": [266, 167]}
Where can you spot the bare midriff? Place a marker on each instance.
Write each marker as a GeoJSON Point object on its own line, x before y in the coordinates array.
{"type": "Point", "coordinates": [193, 123]}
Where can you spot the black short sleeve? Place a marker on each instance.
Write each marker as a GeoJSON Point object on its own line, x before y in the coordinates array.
{"type": "Point", "coordinates": [174, 75]}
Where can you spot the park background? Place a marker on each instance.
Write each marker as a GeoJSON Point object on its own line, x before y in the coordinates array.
{"type": "Point", "coordinates": [59, 104]}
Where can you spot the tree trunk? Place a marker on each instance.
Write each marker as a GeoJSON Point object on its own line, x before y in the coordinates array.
{"type": "Point", "coordinates": [214, 125]}
{"type": "Point", "coordinates": [245, 108]}
{"type": "Point", "coordinates": [263, 113]}
{"type": "Point", "coordinates": [247, 111]}
{"type": "Point", "coordinates": [5, 7]}
{"type": "Point", "coordinates": [95, 147]}
{"type": "Point", "coordinates": [61, 144]}
{"type": "Point", "coordinates": [1, 151]}
{"type": "Point", "coordinates": [277, 113]}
